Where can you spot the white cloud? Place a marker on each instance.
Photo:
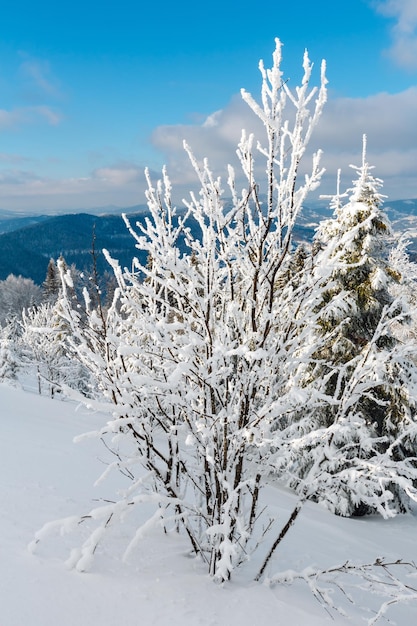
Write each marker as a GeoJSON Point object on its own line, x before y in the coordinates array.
{"type": "Point", "coordinates": [404, 30]}
{"type": "Point", "coordinates": [38, 77]}
{"type": "Point", "coordinates": [215, 139]}
{"type": "Point", "coordinates": [32, 109]}
{"type": "Point", "coordinates": [7, 157]}
{"type": "Point", "coordinates": [118, 176]}
{"type": "Point", "coordinates": [212, 120]}
{"type": "Point", "coordinates": [28, 115]}
{"type": "Point", "coordinates": [8, 119]}
{"type": "Point", "coordinates": [30, 192]}
{"type": "Point", "coordinates": [52, 116]}
{"type": "Point", "coordinates": [16, 178]}
{"type": "Point", "coordinates": [388, 120]}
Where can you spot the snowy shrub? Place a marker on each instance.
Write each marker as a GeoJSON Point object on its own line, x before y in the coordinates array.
{"type": "Point", "coordinates": [9, 354]}
{"type": "Point", "coordinates": [44, 337]}
{"type": "Point", "coordinates": [195, 353]}
{"type": "Point", "coordinates": [240, 361]}
{"type": "Point", "coordinates": [16, 294]}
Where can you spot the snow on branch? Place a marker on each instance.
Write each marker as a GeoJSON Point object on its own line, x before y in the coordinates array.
{"type": "Point", "coordinates": [390, 580]}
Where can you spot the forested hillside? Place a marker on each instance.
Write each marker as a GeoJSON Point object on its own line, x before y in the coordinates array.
{"type": "Point", "coordinates": [26, 251]}
{"type": "Point", "coordinates": [28, 243]}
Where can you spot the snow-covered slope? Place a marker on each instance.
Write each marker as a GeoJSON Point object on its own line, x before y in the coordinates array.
{"type": "Point", "coordinates": [45, 476]}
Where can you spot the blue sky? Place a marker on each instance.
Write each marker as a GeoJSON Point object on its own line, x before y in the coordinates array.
{"type": "Point", "coordinates": [92, 92]}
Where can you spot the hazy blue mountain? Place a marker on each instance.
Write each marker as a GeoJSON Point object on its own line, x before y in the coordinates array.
{"type": "Point", "coordinates": [9, 224]}
{"type": "Point", "coordinates": [110, 209]}
{"type": "Point", "coordinates": [27, 243]}
{"type": "Point", "coordinates": [26, 251]}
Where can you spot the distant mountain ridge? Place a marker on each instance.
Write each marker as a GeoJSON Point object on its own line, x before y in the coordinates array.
{"type": "Point", "coordinates": [28, 242]}
{"type": "Point", "coordinates": [111, 209]}
{"type": "Point", "coordinates": [26, 251]}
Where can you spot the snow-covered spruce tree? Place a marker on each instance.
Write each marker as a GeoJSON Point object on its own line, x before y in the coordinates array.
{"type": "Point", "coordinates": [52, 284]}
{"type": "Point", "coordinates": [356, 453]}
{"type": "Point", "coordinates": [195, 351]}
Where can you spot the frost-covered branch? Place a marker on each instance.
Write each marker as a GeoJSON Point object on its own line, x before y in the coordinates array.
{"type": "Point", "coordinates": [390, 580]}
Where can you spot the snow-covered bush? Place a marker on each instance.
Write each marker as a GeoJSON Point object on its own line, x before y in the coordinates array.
{"type": "Point", "coordinates": [46, 352]}
{"type": "Point", "coordinates": [195, 351]}
{"type": "Point", "coordinates": [16, 294]}
{"type": "Point", "coordinates": [238, 361]}
{"type": "Point", "coordinates": [9, 353]}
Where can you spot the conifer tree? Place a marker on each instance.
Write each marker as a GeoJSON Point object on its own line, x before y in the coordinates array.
{"type": "Point", "coordinates": [367, 377]}
{"type": "Point", "coordinates": [355, 252]}
{"type": "Point", "coordinates": [52, 283]}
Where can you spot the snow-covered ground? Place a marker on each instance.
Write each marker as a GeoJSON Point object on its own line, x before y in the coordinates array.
{"type": "Point", "coordinates": [45, 476]}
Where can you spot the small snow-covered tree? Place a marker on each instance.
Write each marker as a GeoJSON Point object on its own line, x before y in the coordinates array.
{"type": "Point", "coordinates": [355, 250]}
{"type": "Point", "coordinates": [356, 450]}
{"type": "Point", "coordinates": [406, 286]}
{"type": "Point", "coordinates": [16, 294]}
{"type": "Point", "coordinates": [44, 335]}
{"type": "Point", "coordinates": [52, 283]}
{"type": "Point", "coordinates": [238, 360]}
{"type": "Point", "coordinates": [9, 357]}
{"type": "Point", "coordinates": [194, 352]}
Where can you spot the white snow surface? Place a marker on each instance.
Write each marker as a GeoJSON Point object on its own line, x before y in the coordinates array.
{"type": "Point", "coordinates": [45, 476]}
